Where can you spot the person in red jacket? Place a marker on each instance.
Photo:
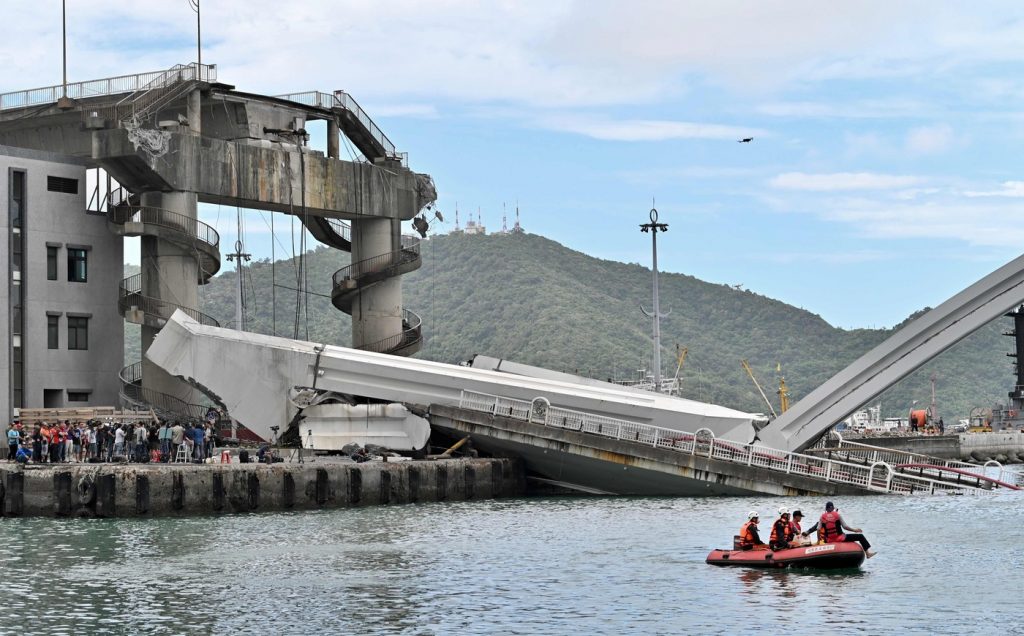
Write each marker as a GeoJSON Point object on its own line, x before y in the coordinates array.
{"type": "Point", "coordinates": [832, 529]}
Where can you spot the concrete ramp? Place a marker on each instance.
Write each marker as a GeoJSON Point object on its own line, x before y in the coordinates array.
{"type": "Point", "coordinates": [252, 375]}
{"type": "Point", "coordinates": [903, 352]}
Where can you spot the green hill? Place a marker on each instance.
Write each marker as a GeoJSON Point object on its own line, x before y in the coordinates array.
{"type": "Point", "coordinates": [532, 300]}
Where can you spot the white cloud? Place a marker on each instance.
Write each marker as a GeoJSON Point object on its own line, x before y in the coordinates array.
{"type": "Point", "coordinates": [976, 224]}
{"type": "Point", "coordinates": [860, 109]}
{"type": "Point", "coordinates": [647, 129]}
{"type": "Point", "coordinates": [927, 140]}
{"type": "Point", "coordinates": [1013, 189]}
{"type": "Point", "coordinates": [840, 181]}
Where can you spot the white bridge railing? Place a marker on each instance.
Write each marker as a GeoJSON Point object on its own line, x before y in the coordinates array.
{"type": "Point", "coordinates": [878, 476]}
{"type": "Point", "coordinates": [834, 445]}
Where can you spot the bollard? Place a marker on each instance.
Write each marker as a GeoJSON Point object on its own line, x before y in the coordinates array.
{"type": "Point", "coordinates": [62, 494]}
{"type": "Point", "coordinates": [141, 494]}
{"type": "Point", "coordinates": [106, 495]}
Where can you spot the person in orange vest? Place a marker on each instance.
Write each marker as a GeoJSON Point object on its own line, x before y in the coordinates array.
{"type": "Point", "coordinates": [749, 538]}
{"type": "Point", "coordinates": [832, 529]}
{"type": "Point", "coordinates": [782, 532]}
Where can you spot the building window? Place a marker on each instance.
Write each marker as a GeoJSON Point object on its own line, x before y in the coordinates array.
{"type": "Point", "coordinates": [62, 184]}
{"type": "Point", "coordinates": [77, 265]}
{"type": "Point", "coordinates": [17, 198]}
{"type": "Point", "coordinates": [52, 337]}
{"type": "Point", "coordinates": [78, 333]}
{"type": "Point", "coordinates": [51, 262]}
{"type": "Point", "coordinates": [78, 396]}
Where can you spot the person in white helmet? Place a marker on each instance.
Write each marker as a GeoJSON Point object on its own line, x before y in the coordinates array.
{"type": "Point", "coordinates": [782, 533]}
{"type": "Point", "coordinates": [749, 538]}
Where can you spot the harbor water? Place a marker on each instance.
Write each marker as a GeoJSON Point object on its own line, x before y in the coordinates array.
{"type": "Point", "coordinates": [946, 565]}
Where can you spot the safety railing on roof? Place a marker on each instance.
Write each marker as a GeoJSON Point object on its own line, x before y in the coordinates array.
{"type": "Point", "coordinates": [106, 86]}
{"type": "Point", "coordinates": [877, 477]}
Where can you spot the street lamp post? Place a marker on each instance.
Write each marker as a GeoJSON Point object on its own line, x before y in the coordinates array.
{"type": "Point", "coordinates": [654, 227]}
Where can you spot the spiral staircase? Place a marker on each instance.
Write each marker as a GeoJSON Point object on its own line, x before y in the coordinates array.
{"type": "Point", "coordinates": [125, 217]}
{"type": "Point", "coordinates": [349, 282]}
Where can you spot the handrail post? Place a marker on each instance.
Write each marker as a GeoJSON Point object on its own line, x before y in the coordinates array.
{"type": "Point", "coordinates": [789, 464]}
{"type": "Point", "coordinates": [828, 470]}
{"type": "Point", "coordinates": [750, 454]}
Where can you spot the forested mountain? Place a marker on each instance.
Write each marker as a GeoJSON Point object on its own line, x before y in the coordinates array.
{"type": "Point", "coordinates": [532, 300]}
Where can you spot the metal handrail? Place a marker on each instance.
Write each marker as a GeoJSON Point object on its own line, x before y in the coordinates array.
{"type": "Point", "coordinates": [412, 331]}
{"type": "Point", "coordinates": [130, 295]}
{"type": "Point", "coordinates": [381, 263]}
{"type": "Point", "coordinates": [100, 87]}
{"type": "Point", "coordinates": [342, 229]}
{"type": "Point", "coordinates": [194, 228]}
{"type": "Point", "coordinates": [708, 446]}
{"type": "Point", "coordinates": [131, 392]}
{"type": "Point", "coordinates": [894, 456]}
{"type": "Point", "coordinates": [347, 102]}
{"type": "Point", "coordinates": [343, 101]}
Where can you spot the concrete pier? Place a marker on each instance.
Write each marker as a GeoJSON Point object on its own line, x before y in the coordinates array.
{"type": "Point", "coordinates": [153, 490]}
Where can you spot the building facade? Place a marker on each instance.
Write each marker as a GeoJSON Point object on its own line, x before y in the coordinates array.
{"type": "Point", "coordinates": [61, 337]}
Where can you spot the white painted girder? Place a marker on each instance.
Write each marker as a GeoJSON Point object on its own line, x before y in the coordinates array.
{"type": "Point", "coordinates": [915, 344]}
{"type": "Point", "coordinates": [251, 375]}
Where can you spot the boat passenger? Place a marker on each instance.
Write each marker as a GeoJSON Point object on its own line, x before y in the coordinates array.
{"type": "Point", "coordinates": [782, 532]}
{"type": "Point", "coordinates": [749, 538]}
{"type": "Point", "coordinates": [832, 529]}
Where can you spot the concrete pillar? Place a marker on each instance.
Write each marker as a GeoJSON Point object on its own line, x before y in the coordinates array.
{"type": "Point", "coordinates": [377, 312]}
{"type": "Point", "coordinates": [333, 139]}
{"type": "Point", "coordinates": [195, 119]}
{"type": "Point", "coordinates": [170, 274]}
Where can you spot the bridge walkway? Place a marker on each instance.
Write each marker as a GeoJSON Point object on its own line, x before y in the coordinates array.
{"type": "Point", "coordinates": [603, 454]}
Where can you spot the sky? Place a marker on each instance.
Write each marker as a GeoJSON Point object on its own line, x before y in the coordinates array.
{"type": "Point", "coordinates": [884, 174]}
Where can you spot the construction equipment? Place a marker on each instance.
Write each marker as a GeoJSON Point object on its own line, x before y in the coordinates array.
{"type": "Point", "coordinates": [750, 372]}
{"type": "Point", "coordinates": [680, 360]}
{"type": "Point", "coordinates": [783, 395]}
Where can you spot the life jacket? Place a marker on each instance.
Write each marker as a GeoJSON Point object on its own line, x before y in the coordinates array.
{"type": "Point", "coordinates": [746, 536]}
{"type": "Point", "coordinates": [787, 532]}
{"type": "Point", "coordinates": [828, 528]}
{"type": "Point", "coordinates": [794, 528]}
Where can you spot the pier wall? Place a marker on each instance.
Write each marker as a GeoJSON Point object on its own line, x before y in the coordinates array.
{"type": "Point", "coordinates": [141, 490]}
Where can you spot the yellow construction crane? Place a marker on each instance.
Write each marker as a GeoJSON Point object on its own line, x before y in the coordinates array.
{"type": "Point", "coordinates": [680, 359]}
{"type": "Point", "coordinates": [750, 372]}
{"type": "Point", "coordinates": [783, 395]}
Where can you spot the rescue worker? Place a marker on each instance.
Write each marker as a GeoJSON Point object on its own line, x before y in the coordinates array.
{"type": "Point", "coordinates": [832, 529]}
{"type": "Point", "coordinates": [782, 532]}
{"type": "Point", "coordinates": [749, 538]}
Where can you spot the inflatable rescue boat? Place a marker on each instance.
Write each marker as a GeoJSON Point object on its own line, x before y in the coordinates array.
{"type": "Point", "coordinates": [829, 556]}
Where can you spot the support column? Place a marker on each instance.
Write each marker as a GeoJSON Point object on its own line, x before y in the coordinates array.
{"type": "Point", "coordinates": [170, 274]}
{"type": "Point", "coordinates": [333, 139]}
{"type": "Point", "coordinates": [377, 312]}
{"type": "Point", "coordinates": [195, 119]}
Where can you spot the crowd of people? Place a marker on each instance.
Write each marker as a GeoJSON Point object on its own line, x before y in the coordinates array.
{"type": "Point", "coordinates": [786, 531]}
{"type": "Point", "coordinates": [96, 441]}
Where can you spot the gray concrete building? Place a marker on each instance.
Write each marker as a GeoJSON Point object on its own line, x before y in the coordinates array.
{"type": "Point", "coordinates": [61, 337]}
